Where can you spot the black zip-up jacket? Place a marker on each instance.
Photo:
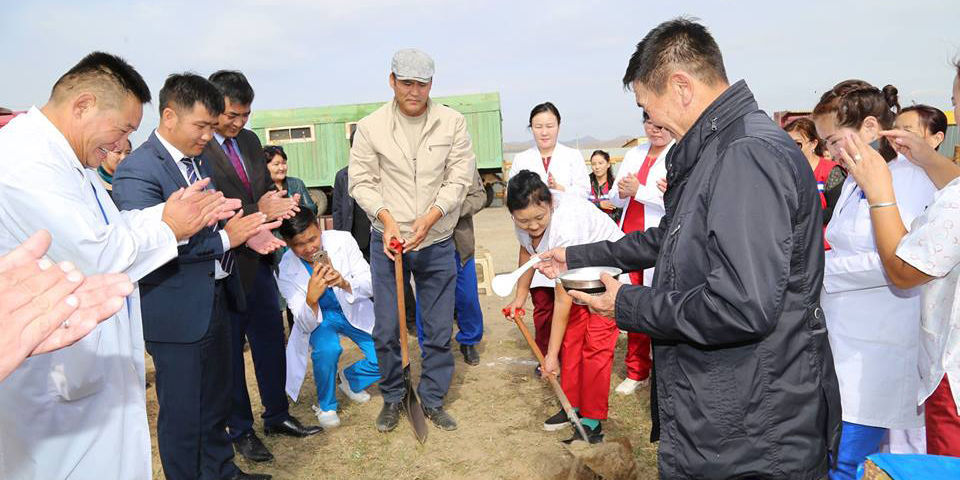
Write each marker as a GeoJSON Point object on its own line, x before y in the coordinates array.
{"type": "Point", "coordinates": [744, 379]}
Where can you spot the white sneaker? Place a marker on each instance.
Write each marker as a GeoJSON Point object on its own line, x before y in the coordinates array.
{"type": "Point", "coordinates": [326, 418]}
{"type": "Point", "coordinates": [629, 385]}
{"type": "Point", "coordinates": [359, 397]}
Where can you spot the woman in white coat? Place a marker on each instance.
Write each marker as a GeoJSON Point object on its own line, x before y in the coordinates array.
{"type": "Point", "coordinates": [635, 190]}
{"type": "Point", "coordinates": [872, 325]}
{"type": "Point", "coordinates": [560, 167]}
{"type": "Point", "coordinates": [329, 295]}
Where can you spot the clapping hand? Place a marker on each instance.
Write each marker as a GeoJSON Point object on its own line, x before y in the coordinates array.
{"type": "Point", "coordinates": [264, 242]}
{"type": "Point", "coordinates": [275, 205]}
{"type": "Point", "coordinates": [45, 307]}
{"type": "Point", "coordinates": [628, 186]}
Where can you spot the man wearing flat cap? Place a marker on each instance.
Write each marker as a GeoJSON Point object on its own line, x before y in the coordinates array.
{"type": "Point", "coordinates": [410, 167]}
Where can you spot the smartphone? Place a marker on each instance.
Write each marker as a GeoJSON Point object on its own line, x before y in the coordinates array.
{"type": "Point", "coordinates": [320, 258]}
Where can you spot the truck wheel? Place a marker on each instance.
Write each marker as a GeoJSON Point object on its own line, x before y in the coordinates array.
{"type": "Point", "coordinates": [490, 195]}
{"type": "Point", "coordinates": [320, 198]}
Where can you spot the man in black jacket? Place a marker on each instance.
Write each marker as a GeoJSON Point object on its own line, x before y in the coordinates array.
{"type": "Point", "coordinates": [744, 379]}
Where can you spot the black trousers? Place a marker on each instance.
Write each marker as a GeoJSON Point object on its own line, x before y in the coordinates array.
{"type": "Point", "coordinates": [262, 325]}
{"type": "Point", "coordinates": [193, 390]}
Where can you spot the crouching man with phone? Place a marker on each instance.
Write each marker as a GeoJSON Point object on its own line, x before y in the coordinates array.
{"type": "Point", "coordinates": [326, 283]}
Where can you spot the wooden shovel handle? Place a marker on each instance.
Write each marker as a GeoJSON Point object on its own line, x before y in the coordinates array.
{"type": "Point", "coordinates": [401, 308]}
{"type": "Point", "coordinates": [557, 389]}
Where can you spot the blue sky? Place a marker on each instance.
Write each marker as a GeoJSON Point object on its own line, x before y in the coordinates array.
{"type": "Point", "coordinates": [300, 53]}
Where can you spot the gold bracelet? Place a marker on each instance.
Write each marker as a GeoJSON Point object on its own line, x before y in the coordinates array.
{"type": "Point", "coordinates": [883, 204]}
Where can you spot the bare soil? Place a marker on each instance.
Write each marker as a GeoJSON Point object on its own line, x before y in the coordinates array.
{"type": "Point", "coordinates": [500, 407]}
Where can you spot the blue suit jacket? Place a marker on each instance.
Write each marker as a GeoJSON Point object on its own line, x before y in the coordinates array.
{"type": "Point", "coordinates": [176, 299]}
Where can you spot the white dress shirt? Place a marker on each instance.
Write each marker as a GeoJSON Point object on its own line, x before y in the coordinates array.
{"type": "Point", "coordinates": [873, 327]}
{"type": "Point", "coordinates": [219, 272]}
{"type": "Point", "coordinates": [933, 247]}
{"type": "Point", "coordinates": [79, 412]}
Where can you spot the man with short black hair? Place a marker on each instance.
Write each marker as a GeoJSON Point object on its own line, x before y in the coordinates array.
{"type": "Point", "coordinates": [240, 169]}
{"type": "Point", "coordinates": [185, 302]}
{"type": "Point", "coordinates": [410, 167]}
{"type": "Point", "coordinates": [81, 411]}
{"type": "Point", "coordinates": [744, 379]}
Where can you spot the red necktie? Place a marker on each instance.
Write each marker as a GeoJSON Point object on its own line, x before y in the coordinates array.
{"type": "Point", "coordinates": [234, 157]}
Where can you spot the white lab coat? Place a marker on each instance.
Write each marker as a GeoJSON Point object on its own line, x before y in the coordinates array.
{"type": "Point", "coordinates": [79, 412]}
{"type": "Point", "coordinates": [292, 279]}
{"type": "Point", "coordinates": [566, 165]}
{"type": "Point", "coordinates": [873, 327]}
{"type": "Point", "coordinates": [649, 195]}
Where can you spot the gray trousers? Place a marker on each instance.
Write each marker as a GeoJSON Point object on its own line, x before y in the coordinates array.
{"type": "Point", "coordinates": [435, 275]}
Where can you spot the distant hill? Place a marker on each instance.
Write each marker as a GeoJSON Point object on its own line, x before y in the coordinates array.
{"type": "Point", "coordinates": [583, 143]}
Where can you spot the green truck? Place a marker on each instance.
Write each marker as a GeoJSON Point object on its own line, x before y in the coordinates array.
{"type": "Point", "coordinates": [317, 140]}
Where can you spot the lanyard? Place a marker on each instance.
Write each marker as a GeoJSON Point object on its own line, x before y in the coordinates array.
{"type": "Point", "coordinates": [107, 221]}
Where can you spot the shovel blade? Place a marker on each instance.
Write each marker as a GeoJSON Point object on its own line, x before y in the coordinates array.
{"type": "Point", "coordinates": [414, 411]}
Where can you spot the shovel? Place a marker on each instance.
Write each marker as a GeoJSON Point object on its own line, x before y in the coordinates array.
{"type": "Point", "coordinates": [557, 389]}
{"type": "Point", "coordinates": [411, 404]}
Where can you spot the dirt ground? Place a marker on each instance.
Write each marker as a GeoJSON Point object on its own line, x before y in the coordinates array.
{"type": "Point", "coordinates": [498, 404]}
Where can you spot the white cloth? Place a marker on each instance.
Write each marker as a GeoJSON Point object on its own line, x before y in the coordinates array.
{"type": "Point", "coordinates": [79, 412]}
{"type": "Point", "coordinates": [933, 247]}
{"type": "Point", "coordinates": [575, 221]}
{"type": "Point", "coordinates": [873, 327]}
{"type": "Point", "coordinates": [649, 195]}
{"type": "Point", "coordinates": [357, 306]}
{"type": "Point", "coordinates": [177, 155]}
{"type": "Point", "coordinates": [566, 165]}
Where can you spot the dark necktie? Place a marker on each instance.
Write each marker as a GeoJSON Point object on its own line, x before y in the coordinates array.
{"type": "Point", "coordinates": [226, 262]}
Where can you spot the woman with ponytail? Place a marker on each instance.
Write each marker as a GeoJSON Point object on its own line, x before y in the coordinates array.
{"type": "Point", "coordinates": [928, 255]}
{"type": "Point", "coordinates": [873, 326]}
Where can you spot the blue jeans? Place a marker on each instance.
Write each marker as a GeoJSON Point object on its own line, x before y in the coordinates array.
{"type": "Point", "coordinates": [856, 442]}
{"type": "Point", "coordinates": [467, 305]}
{"type": "Point", "coordinates": [326, 350]}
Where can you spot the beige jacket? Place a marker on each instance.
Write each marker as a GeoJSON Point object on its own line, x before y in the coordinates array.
{"type": "Point", "coordinates": [384, 176]}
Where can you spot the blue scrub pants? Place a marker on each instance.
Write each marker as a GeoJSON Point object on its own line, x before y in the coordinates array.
{"type": "Point", "coordinates": [326, 350]}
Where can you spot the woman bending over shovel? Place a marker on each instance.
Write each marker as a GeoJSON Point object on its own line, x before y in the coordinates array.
{"type": "Point", "coordinates": [582, 342]}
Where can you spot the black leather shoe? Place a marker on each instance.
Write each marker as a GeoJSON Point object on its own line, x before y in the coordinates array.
{"type": "Point", "coordinates": [250, 446]}
{"type": "Point", "coordinates": [389, 416]}
{"type": "Point", "coordinates": [470, 355]}
{"type": "Point", "coordinates": [291, 427]}
{"type": "Point", "coordinates": [250, 476]}
{"type": "Point", "coordinates": [440, 418]}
